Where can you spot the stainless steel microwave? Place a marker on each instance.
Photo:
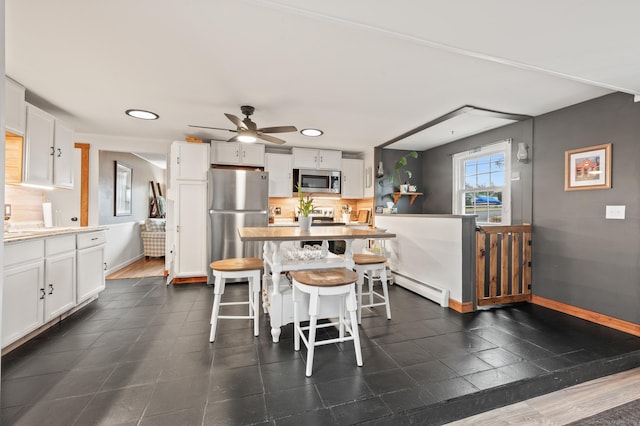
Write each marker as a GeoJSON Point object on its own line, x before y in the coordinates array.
{"type": "Point", "coordinates": [316, 180]}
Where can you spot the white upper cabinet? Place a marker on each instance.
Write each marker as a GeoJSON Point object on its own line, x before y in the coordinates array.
{"type": "Point", "coordinates": [280, 174]}
{"type": "Point", "coordinates": [63, 155]}
{"type": "Point", "coordinates": [14, 107]}
{"type": "Point", "coordinates": [38, 147]}
{"type": "Point", "coordinates": [48, 150]}
{"type": "Point", "coordinates": [352, 178]}
{"type": "Point", "coordinates": [189, 161]}
{"type": "Point", "coordinates": [237, 154]}
{"type": "Point", "coordinates": [320, 159]}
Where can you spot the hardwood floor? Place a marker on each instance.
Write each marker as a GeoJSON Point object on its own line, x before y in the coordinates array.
{"type": "Point", "coordinates": [566, 405]}
{"type": "Point", "coordinates": [151, 267]}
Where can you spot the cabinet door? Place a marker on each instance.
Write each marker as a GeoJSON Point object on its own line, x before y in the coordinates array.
{"type": "Point", "coordinates": [189, 160]}
{"type": "Point", "coordinates": [23, 301]}
{"type": "Point", "coordinates": [226, 153]}
{"type": "Point", "coordinates": [252, 155]}
{"type": "Point", "coordinates": [90, 272]}
{"type": "Point", "coordinates": [280, 174]}
{"type": "Point", "coordinates": [191, 229]}
{"type": "Point", "coordinates": [329, 160]}
{"type": "Point", "coordinates": [60, 273]}
{"type": "Point", "coordinates": [352, 178]}
{"type": "Point", "coordinates": [63, 156]}
{"type": "Point", "coordinates": [14, 107]}
{"type": "Point", "coordinates": [304, 158]}
{"type": "Point", "coordinates": [38, 147]}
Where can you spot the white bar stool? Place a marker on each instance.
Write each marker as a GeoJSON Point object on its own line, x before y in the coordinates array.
{"type": "Point", "coordinates": [365, 266]}
{"type": "Point", "coordinates": [325, 282]}
{"type": "Point", "coordinates": [250, 268]}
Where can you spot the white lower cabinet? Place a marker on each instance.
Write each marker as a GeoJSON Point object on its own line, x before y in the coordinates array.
{"type": "Point", "coordinates": [90, 265]}
{"type": "Point", "coordinates": [23, 290]}
{"type": "Point", "coordinates": [46, 277]}
{"type": "Point", "coordinates": [191, 229]}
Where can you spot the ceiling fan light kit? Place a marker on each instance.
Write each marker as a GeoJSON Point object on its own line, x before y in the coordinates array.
{"type": "Point", "coordinates": [247, 131]}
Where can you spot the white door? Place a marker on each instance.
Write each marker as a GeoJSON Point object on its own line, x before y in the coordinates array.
{"type": "Point", "coordinates": [227, 153]}
{"type": "Point", "coordinates": [90, 279]}
{"type": "Point", "coordinates": [352, 178]}
{"type": "Point", "coordinates": [63, 156]}
{"type": "Point", "coordinates": [329, 160]}
{"type": "Point", "coordinates": [60, 284]}
{"type": "Point", "coordinates": [280, 174]}
{"type": "Point", "coordinates": [252, 155]}
{"type": "Point", "coordinates": [23, 301]}
{"type": "Point", "coordinates": [191, 229]}
{"type": "Point", "coordinates": [38, 147]}
{"type": "Point", "coordinates": [192, 161]}
{"type": "Point", "coordinates": [304, 158]}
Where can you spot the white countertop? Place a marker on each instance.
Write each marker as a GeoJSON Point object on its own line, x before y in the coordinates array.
{"type": "Point", "coordinates": [30, 233]}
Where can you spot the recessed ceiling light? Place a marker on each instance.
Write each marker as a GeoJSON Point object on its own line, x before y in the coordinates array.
{"type": "Point", "coordinates": [142, 114]}
{"type": "Point", "coordinates": [311, 132]}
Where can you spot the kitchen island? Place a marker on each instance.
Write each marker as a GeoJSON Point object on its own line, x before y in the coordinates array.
{"type": "Point", "coordinates": [433, 255]}
{"type": "Point", "coordinates": [277, 292]}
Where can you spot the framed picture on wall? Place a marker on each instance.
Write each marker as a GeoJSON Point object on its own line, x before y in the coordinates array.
{"type": "Point", "coordinates": [588, 168]}
{"type": "Point", "coordinates": [122, 190]}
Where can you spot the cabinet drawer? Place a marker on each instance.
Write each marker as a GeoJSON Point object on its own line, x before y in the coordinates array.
{"type": "Point", "coordinates": [57, 245]}
{"type": "Point", "coordinates": [91, 239]}
{"type": "Point", "coordinates": [17, 253]}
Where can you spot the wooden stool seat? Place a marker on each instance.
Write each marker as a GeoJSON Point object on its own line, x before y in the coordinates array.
{"type": "Point", "coordinates": [325, 277]}
{"type": "Point", "coordinates": [249, 268]}
{"type": "Point", "coordinates": [237, 264]}
{"type": "Point", "coordinates": [368, 259]}
{"type": "Point", "coordinates": [337, 282]}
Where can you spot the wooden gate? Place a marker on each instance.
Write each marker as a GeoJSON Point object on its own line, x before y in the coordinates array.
{"type": "Point", "coordinates": [503, 264]}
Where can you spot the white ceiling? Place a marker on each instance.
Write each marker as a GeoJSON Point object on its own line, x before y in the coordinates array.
{"type": "Point", "coordinates": [362, 71]}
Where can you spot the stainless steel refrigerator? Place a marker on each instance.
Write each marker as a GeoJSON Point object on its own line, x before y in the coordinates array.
{"type": "Point", "coordinates": [237, 198]}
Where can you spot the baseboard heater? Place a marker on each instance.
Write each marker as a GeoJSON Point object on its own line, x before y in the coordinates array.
{"type": "Point", "coordinates": [431, 292]}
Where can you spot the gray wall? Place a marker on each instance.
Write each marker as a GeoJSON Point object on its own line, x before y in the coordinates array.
{"type": "Point", "coordinates": [384, 189]}
{"type": "Point", "coordinates": [143, 173]}
{"type": "Point", "coordinates": [579, 257]}
{"type": "Point", "coordinates": [437, 171]}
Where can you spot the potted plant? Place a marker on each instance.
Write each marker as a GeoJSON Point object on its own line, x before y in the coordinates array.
{"type": "Point", "coordinates": [399, 171]}
{"type": "Point", "coordinates": [305, 207]}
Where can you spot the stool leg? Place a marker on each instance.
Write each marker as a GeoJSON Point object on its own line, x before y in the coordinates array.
{"type": "Point", "coordinates": [385, 291]}
{"type": "Point", "coordinates": [254, 289]}
{"type": "Point", "coordinates": [370, 285]}
{"type": "Point", "coordinates": [351, 307]}
{"type": "Point", "coordinates": [359, 283]}
{"type": "Point", "coordinates": [218, 291]}
{"type": "Point", "coordinates": [296, 320]}
{"type": "Point", "coordinates": [313, 322]}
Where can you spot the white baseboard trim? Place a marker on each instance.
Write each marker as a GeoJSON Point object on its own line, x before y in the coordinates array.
{"type": "Point", "coordinates": [431, 292]}
{"type": "Point", "coordinates": [123, 264]}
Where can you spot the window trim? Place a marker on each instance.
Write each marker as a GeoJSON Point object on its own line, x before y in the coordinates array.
{"type": "Point", "coordinates": [458, 206]}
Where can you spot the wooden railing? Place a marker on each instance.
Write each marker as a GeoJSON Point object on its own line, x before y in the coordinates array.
{"type": "Point", "coordinates": [503, 264]}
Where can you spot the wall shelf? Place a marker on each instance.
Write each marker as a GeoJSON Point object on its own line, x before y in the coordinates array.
{"type": "Point", "coordinates": [413, 195]}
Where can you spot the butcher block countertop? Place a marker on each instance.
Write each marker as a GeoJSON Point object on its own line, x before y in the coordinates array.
{"type": "Point", "coordinates": [31, 233]}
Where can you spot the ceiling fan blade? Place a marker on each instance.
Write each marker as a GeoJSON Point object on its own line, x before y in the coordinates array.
{"type": "Point", "coordinates": [235, 120]}
{"type": "Point", "coordinates": [278, 129]}
{"type": "Point", "coordinates": [212, 128]}
{"type": "Point", "coordinates": [271, 139]}
{"type": "Point", "coordinates": [250, 124]}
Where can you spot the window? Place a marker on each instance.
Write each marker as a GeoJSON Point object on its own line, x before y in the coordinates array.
{"type": "Point", "coordinates": [481, 183]}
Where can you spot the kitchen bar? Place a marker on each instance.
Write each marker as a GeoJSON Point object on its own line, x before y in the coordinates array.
{"type": "Point", "coordinates": [276, 295]}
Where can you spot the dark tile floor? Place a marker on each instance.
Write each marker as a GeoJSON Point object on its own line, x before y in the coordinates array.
{"type": "Point", "coordinates": [140, 355]}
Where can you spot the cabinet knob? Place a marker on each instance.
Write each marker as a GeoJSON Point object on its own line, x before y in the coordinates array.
{"type": "Point", "coordinates": [51, 288]}
{"type": "Point", "coordinates": [59, 152]}
{"type": "Point", "coordinates": [105, 266]}
{"type": "Point", "coordinates": [43, 293]}
{"type": "Point", "coordinates": [53, 151]}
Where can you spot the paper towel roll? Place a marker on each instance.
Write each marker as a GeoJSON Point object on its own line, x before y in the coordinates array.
{"type": "Point", "coordinates": [47, 215]}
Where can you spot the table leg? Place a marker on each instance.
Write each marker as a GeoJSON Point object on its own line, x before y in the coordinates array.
{"type": "Point", "coordinates": [275, 311]}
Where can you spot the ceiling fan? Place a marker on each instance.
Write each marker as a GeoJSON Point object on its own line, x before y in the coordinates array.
{"type": "Point", "coordinates": [247, 131]}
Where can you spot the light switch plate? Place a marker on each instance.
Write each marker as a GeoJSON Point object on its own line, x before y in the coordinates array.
{"type": "Point", "coordinates": [615, 212]}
